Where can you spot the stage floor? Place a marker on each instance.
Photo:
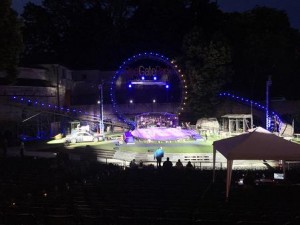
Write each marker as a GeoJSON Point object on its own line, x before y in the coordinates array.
{"type": "Point", "coordinates": [165, 134]}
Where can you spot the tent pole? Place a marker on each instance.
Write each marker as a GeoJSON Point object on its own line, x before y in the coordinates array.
{"type": "Point", "coordinates": [228, 180]}
{"type": "Point", "coordinates": [283, 168]}
{"type": "Point", "coordinates": [214, 165]}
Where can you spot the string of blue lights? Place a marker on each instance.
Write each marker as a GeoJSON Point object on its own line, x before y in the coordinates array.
{"type": "Point", "coordinates": [35, 103]}
{"type": "Point", "coordinates": [255, 104]}
{"type": "Point", "coordinates": [74, 111]}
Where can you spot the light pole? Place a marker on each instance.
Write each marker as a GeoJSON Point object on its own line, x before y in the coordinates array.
{"type": "Point", "coordinates": [101, 124]}
{"type": "Point", "coordinates": [57, 86]}
{"type": "Point", "coordinates": [268, 84]}
{"type": "Point", "coordinates": [251, 116]}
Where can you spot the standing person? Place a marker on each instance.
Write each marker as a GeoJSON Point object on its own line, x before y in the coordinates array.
{"type": "Point", "coordinates": [158, 155]}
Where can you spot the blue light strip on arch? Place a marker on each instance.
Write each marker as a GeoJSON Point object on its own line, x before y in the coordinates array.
{"type": "Point", "coordinates": [248, 101]}
{"type": "Point", "coordinates": [153, 56]}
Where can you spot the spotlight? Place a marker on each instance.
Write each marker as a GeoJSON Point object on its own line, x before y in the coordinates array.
{"type": "Point", "coordinates": [167, 86]}
{"type": "Point", "coordinates": [129, 85]}
{"type": "Point", "coordinates": [154, 78]}
{"type": "Point", "coordinates": [143, 78]}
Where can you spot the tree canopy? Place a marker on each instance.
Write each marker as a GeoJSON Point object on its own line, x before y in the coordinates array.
{"type": "Point", "coordinates": [218, 51]}
{"type": "Point", "coordinates": [10, 40]}
{"type": "Point", "coordinates": [208, 65]}
{"type": "Point", "coordinates": [263, 45]}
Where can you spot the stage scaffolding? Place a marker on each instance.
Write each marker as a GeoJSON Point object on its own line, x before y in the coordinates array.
{"type": "Point", "coordinates": [237, 123]}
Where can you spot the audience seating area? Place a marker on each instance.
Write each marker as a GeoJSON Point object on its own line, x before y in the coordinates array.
{"type": "Point", "coordinates": [63, 192]}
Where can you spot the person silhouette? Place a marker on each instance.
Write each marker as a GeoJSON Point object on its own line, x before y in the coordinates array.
{"type": "Point", "coordinates": [189, 165]}
{"type": "Point", "coordinates": [133, 164]}
{"type": "Point", "coordinates": [158, 155]}
{"type": "Point", "coordinates": [179, 164]}
{"type": "Point", "coordinates": [167, 164]}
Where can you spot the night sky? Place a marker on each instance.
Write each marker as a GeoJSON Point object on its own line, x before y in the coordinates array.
{"type": "Point", "coordinates": [292, 7]}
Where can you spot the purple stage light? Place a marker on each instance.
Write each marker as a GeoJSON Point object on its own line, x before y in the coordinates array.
{"type": "Point", "coordinates": [164, 134]}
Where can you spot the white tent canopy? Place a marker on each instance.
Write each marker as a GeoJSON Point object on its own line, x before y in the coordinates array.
{"type": "Point", "coordinates": [258, 144]}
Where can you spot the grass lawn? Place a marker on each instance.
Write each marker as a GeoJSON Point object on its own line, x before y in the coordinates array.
{"type": "Point", "coordinates": [177, 147]}
{"type": "Point", "coordinates": [143, 147]}
{"type": "Point", "coordinates": [173, 147]}
{"type": "Point", "coordinates": [139, 147]}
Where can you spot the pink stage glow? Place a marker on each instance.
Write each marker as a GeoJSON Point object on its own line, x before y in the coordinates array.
{"type": "Point", "coordinates": [164, 134]}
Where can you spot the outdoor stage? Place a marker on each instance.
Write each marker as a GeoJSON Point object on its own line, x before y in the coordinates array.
{"type": "Point", "coordinates": [112, 151]}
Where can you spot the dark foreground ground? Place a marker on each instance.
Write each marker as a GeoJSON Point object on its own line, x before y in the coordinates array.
{"type": "Point", "coordinates": [60, 191]}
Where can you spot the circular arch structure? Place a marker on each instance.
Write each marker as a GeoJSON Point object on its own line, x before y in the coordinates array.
{"type": "Point", "coordinates": [125, 75]}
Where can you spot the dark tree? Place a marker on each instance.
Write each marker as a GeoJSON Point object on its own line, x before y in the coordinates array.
{"type": "Point", "coordinates": [73, 32]}
{"type": "Point", "coordinates": [10, 40]}
{"type": "Point", "coordinates": [38, 36]}
{"type": "Point", "coordinates": [263, 45]}
{"type": "Point", "coordinates": [208, 66]}
{"type": "Point", "coordinates": [158, 26]}
{"type": "Point", "coordinates": [102, 33]}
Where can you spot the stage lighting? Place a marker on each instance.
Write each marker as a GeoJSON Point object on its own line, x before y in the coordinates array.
{"type": "Point", "coordinates": [154, 78]}
{"type": "Point", "coordinates": [130, 85]}
{"type": "Point", "coordinates": [167, 86]}
{"type": "Point", "coordinates": [143, 78]}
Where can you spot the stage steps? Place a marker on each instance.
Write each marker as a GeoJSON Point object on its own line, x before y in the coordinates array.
{"type": "Point", "coordinates": [141, 157]}
{"type": "Point", "coordinates": [109, 154]}
{"type": "Point", "coordinates": [93, 154]}
{"type": "Point", "coordinates": [128, 156]}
